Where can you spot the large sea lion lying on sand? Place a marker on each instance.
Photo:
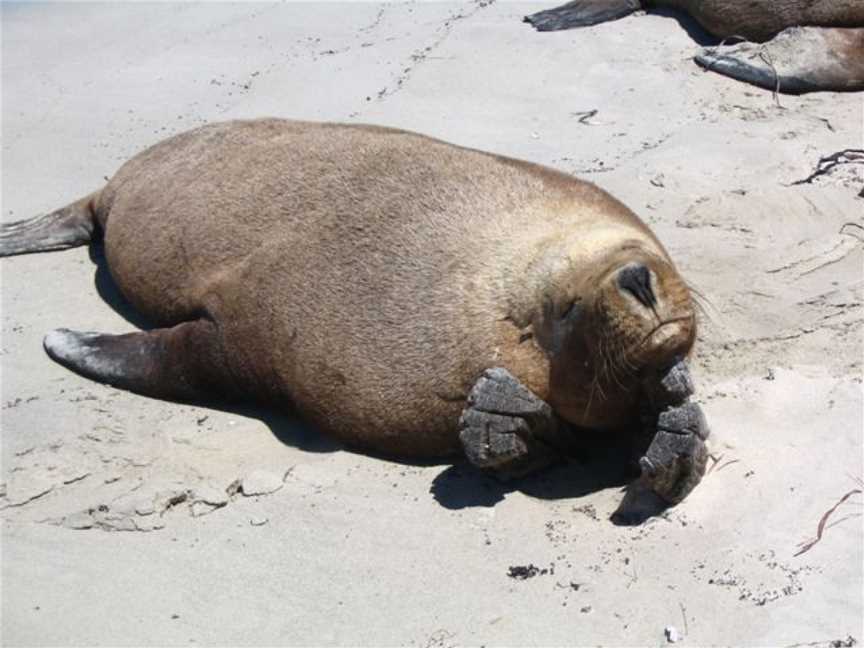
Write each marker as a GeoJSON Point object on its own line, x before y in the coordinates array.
{"type": "Point", "coordinates": [811, 44]}
{"type": "Point", "coordinates": [403, 294]}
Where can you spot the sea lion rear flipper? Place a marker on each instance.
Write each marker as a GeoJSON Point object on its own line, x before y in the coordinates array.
{"type": "Point", "coordinates": [505, 428]}
{"type": "Point", "coordinates": [797, 60]}
{"type": "Point", "coordinates": [184, 363]}
{"type": "Point", "coordinates": [64, 228]}
{"type": "Point", "coordinates": [581, 13]}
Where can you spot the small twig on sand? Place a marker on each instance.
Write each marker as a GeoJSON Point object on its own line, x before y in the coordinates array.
{"type": "Point", "coordinates": [634, 577]}
{"type": "Point", "coordinates": [843, 519]}
{"type": "Point", "coordinates": [584, 116]}
{"type": "Point", "coordinates": [713, 50]}
{"type": "Point", "coordinates": [684, 616]}
{"type": "Point", "coordinates": [763, 54]}
{"type": "Point", "coordinates": [728, 463]}
{"type": "Point", "coordinates": [808, 544]}
{"type": "Point", "coordinates": [845, 225]}
{"type": "Point", "coordinates": [827, 163]}
{"type": "Point", "coordinates": [716, 461]}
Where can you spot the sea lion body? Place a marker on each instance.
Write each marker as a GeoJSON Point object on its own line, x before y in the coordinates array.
{"type": "Point", "coordinates": [761, 20]}
{"type": "Point", "coordinates": [793, 46]}
{"type": "Point", "coordinates": [369, 277]}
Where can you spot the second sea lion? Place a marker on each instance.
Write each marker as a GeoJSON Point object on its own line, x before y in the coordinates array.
{"type": "Point", "coordinates": [792, 46]}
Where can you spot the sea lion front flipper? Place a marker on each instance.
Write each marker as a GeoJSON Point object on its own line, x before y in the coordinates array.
{"type": "Point", "coordinates": [797, 60]}
{"type": "Point", "coordinates": [185, 362]}
{"type": "Point", "coordinates": [675, 461]}
{"type": "Point", "coordinates": [581, 13]}
{"type": "Point", "coordinates": [505, 428]}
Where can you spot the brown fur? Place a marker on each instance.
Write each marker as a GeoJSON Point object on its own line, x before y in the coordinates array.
{"type": "Point", "coordinates": [759, 20]}
{"type": "Point", "coordinates": [843, 67]}
{"type": "Point", "coordinates": [369, 275]}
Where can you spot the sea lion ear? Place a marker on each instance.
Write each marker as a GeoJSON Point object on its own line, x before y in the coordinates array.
{"type": "Point", "coordinates": [573, 312]}
{"type": "Point", "coordinates": [560, 319]}
{"type": "Point", "coordinates": [558, 307]}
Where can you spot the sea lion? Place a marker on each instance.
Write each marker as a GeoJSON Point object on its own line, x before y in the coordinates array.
{"type": "Point", "coordinates": [403, 294]}
{"type": "Point", "coordinates": [811, 44]}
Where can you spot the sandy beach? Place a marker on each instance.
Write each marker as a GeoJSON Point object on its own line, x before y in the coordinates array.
{"type": "Point", "coordinates": [133, 521]}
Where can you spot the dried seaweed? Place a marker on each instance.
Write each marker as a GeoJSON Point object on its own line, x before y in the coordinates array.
{"type": "Point", "coordinates": [808, 544]}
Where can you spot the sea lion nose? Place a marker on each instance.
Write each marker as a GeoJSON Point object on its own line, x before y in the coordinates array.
{"type": "Point", "coordinates": [635, 278]}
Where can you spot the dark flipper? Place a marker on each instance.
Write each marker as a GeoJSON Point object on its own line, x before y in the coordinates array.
{"type": "Point", "coordinates": [67, 227]}
{"type": "Point", "coordinates": [797, 60]}
{"type": "Point", "coordinates": [184, 363]}
{"type": "Point", "coordinates": [676, 456]}
{"type": "Point", "coordinates": [581, 13]}
{"type": "Point", "coordinates": [676, 459]}
{"type": "Point", "coordinates": [505, 428]}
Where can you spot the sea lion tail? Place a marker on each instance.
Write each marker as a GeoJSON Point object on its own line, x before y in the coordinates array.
{"type": "Point", "coordinates": [67, 227]}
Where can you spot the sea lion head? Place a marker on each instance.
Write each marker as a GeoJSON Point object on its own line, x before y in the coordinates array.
{"type": "Point", "coordinates": [638, 316]}
{"type": "Point", "coordinates": [607, 328]}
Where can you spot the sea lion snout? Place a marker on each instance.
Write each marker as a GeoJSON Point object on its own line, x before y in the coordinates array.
{"type": "Point", "coordinates": [645, 311]}
{"type": "Point", "coordinates": [661, 310]}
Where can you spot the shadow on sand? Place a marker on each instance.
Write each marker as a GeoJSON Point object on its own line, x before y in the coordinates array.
{"type": "Point", "coordinates": [688, 23]}
{"type": "Point", "coordinates": [585, 470]}
{"type": "Point", "coordinates": [109, 292]}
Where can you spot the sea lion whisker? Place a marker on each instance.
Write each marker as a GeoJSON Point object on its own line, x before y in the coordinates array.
{"type": "Point", "coordinates": [609, 356]}
{"type": "Point", "coordinates": [698, 296]}
{"type": "Point", "coordinates": [618, 372]}
{"type": "Point", "coordinates": [591, 390]}
{"type": "Point", "coordinates": [600, 345]}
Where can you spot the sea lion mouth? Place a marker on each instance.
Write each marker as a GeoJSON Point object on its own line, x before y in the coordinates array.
{"type": "Point", "coordinates": [661, 333]}
{"type": "Point", "coordinates": [663, 325]}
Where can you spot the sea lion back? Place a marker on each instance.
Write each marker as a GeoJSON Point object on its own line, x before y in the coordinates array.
{"type": "Point", "coordinates": [193, 206]}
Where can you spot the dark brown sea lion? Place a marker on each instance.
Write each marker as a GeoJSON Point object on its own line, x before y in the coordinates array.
{"type": "Point", "coordinates": [401, 293]}
{"type": "Point", "coordinates": [811, 44]}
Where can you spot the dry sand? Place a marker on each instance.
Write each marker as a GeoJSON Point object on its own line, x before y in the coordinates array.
{"type": "Point", "coordinates": [117, 529]}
